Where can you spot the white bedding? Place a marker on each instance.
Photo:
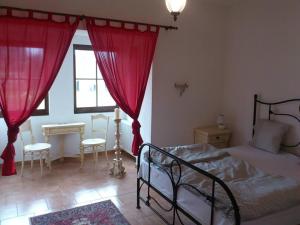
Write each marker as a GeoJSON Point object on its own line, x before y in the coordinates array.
{"type": "Point", "coordinates": [277, 164]}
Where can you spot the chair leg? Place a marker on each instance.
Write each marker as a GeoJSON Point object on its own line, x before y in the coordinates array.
{"type": "Point", "coordinates": [49, 159]}
{"type": "Point", "coordinates": [106, 154]}
{"type": "Point", "coordinates": [41, 163]}
{"type": "Point", "coordinates": [31, 163]}
{"type": "Point", "coordinates": [96, 153]}
{"type": "Point", "coordinates": [22, 166]}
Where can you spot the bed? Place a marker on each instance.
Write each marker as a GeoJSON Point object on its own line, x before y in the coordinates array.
{"type": "Point", "coordinates": [203, 207]}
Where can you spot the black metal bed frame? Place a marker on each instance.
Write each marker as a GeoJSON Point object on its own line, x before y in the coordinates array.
{"type": "Point", "coordinates": [271, 112]}
{"type": "Point", "coordinates": [176, 184]}
{"type": "Point", "coordinates": [176, 178]}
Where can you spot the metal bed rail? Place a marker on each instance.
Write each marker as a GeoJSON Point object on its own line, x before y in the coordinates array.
{"type": "Point", "coordinates": [175, 179]}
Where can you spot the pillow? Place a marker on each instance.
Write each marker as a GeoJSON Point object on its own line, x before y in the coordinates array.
{"type": "Point", "coordinates": [268, 135]}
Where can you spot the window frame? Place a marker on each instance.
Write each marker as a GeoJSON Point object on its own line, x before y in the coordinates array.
{"type": "Point", "coordinates": [78, 110]}
{"type": "Point", "coordinates": [43, 112]}
{"type": "Point", "coordinates": [39, 112]}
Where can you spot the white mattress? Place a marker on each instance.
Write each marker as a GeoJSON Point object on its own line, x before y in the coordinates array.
{"type": "Point", "coordinates": [278, 164]}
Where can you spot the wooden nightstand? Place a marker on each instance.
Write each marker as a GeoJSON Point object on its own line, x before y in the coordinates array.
{"type": "Point", "coordinates": [212, 135]}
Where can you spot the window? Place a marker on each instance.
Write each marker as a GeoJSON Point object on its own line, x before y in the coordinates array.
{"type": "Point", "coordinates": [90, 92]}
{"type": "Point", "coordinates": [43, 108]}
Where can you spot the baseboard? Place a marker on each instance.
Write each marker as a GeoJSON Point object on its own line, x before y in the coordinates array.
{"type": "Point", "coordinates": [76, 156]}
{"type": "Point", "coordinates": [128, 154]}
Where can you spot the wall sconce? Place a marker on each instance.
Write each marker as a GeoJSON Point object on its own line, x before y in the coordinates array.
{"type": "Point", "coordinates": [175, 7]}
{"type": "Point", "coordinates": [181, 87]}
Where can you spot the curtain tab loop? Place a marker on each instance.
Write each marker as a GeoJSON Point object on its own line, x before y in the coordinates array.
{"type": "Point", "coordinates": [67, 19]}
{"type": "Point", "coordinates": [136, 26]}
{"type": "Point", "coordinates": [49, 16]}
{"type": "Point", "coordinates": [82, 17]}
{"type": "Point", "coordinates": [30, 14]}
{"type": "Point", "coordinates": [87, 19]}
{"type": "Point", "coordinates": [9, 12]}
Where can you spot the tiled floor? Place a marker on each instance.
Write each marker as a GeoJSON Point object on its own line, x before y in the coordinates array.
{"type": "Point", "coordinates": [67, 186]}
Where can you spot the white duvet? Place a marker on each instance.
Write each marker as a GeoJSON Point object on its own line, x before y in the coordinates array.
{"type": "Point", "coordinates": [257, 193]}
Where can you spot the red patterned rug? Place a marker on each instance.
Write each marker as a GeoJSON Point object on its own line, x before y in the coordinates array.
{"type": "Point", "coordinates": [101, 213]}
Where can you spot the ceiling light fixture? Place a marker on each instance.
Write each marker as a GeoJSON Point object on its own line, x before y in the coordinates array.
{"type": "Point", "coordinates": [175, 7]}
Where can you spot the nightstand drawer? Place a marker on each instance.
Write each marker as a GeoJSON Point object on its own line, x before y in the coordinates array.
{"type": "Point", "coordinates": [200, 139]}
{"type": "Point", "coordinates": [224, 138]}
{"type": "Point", "coordinates": [219, 138]}
{"type": "Point", "coordinates": [220, 145]}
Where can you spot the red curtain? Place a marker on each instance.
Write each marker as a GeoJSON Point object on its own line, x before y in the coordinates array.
{"type": "Point", "coordinates": [124, 57]}
{"type": "Point", "coordinates": [31, 53]}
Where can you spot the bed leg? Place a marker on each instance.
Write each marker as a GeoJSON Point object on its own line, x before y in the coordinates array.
{"type": "Point", "coordinates": [174, 215]}
{"type": "Point", "coordinates": [148, 196]}
{"type": "Point", "coordinates": [138, 194]}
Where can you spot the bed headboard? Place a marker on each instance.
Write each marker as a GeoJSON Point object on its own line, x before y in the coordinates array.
{"type": "Point", "coordinates": [272, 112]}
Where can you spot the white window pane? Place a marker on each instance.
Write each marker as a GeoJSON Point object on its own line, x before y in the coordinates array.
{"type": "Point", "coordinates": [99, 74]}
{"type": "Point", "coordinates": [85, 63]}
{"type": "Point", "coordinates": [104, 98]}
{"type": "Point", "coordinates": [42, 105]}
{"type": "Point", "coordinates": [86, 93]}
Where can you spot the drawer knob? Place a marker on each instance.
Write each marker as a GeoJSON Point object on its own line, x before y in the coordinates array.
{"type": "Point", "coordinates": [218, 137]}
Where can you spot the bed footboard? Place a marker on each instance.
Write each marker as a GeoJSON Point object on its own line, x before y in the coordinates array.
{"type": "Point", "coordinates": [175, 209]}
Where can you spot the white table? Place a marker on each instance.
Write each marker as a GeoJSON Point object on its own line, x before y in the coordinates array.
{"type": "Point", "coordinates": [63, 129]}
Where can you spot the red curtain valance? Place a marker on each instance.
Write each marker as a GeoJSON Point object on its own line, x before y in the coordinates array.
{"type": "Point", "coordinates": [124, 57]}
{"type": "Point", "coordinates": [31, 53]}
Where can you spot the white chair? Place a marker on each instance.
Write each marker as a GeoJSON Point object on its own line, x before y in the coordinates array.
{"type": "Point", "coordinates": [32, 149]}
{"type": "Point", "coordinates": [93, 144]}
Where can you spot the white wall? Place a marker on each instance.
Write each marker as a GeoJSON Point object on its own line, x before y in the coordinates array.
{"type": "Point", "coordinates": [263, 53]}
{"type": "Point", "coordinates": [192, 54]}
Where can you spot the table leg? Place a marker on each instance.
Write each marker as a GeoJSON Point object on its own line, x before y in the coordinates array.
{"type": "Point", "coordinates": [46, 138]}
{"type": "Point", "coordinates": [48, 152]}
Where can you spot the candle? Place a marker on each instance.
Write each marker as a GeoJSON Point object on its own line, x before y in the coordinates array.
{"type": "Point", "coordinates": [117, 113]}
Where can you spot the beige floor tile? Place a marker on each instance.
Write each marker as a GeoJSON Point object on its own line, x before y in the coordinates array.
{"type": "Point", "coordinates": [33, 207]}
{"type": "Point", "coordinates": [22, 220]}
{"type": "Point", "coordinates": [8, 211]}
{"type": "Point", "coordinates": [87, 196]}
{"type": "Point", "coordinates": [67, 186]}
{"type": "Point", "coordinates": [60, 201]}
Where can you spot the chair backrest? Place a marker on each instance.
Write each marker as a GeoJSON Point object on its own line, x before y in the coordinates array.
{"type": "Point", "coordinates": [103, 129]}
{"type": "Point", "coordinates": [26, 128]}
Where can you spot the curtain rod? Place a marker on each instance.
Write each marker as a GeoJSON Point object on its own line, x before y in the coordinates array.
{"type": "Point", "coordinates": [97, 18]}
